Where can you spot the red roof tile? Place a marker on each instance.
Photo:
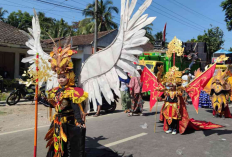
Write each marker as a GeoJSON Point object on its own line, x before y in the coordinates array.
{"type": "Point", "coordinates": [80, 39]}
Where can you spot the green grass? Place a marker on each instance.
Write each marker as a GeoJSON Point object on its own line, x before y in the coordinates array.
{"type": "Point", "coordinates": [2, 113]}
{"type": "Point", "coordinates": [3, 96]}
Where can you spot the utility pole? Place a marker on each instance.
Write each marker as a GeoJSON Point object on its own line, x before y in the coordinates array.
{"type": "Point", "coordinates": [95, 29]}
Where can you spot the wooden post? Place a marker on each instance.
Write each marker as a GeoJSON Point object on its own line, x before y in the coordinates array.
{"type": "Point", "coordinates": [174, 59]}
{"type": "Point", "coordinates": [36, 105]}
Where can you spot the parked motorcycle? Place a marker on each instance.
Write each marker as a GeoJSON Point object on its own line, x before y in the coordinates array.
{"type": "Point", "coordinates": [22, 92]}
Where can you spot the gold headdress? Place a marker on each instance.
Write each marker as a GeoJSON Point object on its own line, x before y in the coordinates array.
{"type": "Point", "coordinates": [61, 62]}
{"type": "Point", "coordinates": [221, 76]}
{"type": "Point", "coordinates": [173, 76]}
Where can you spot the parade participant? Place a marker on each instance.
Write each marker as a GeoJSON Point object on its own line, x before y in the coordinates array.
{"type": "Point", "coordinates": [193, 57]}
{"type": "Point", "coordinates": [185, 80]}
{"type": "Point", "coordinates": [137, 101]}
{"type": "Point", "coordinates": [174, 112]}
{"type": "Point", "coordinates": [125, 94]}
{"type": "Point", "coordinates": [66, 136]}
{"type": "Point", "coordinates": [220, 91]}
{"type": "Point", "coordinates": [171, 108]}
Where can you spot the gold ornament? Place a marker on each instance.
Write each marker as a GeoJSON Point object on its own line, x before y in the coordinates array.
{"type": "Point", "coordinates": [175, 46]}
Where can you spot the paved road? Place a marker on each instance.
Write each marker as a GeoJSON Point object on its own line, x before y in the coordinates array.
{"type": "Point", "coordinates": [124, 137]}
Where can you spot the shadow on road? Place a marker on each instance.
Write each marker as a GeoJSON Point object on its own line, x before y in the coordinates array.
{"type": "Point", "coordinates": [151, 114]}
{"type": "Point", "coordinates": [93, 149]}
{"type": "Point", "coordinates": [218, 132]}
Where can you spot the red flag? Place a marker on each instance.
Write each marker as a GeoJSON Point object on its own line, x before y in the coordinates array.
{"type": "Point", "coordinates": [164, 32]}
{"type": "Point", "coordinates": [194, 88]}
{"type": "Point", "coordinates": [150, 83]}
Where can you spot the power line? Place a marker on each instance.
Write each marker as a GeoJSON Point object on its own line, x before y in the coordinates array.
{"type": "Point", "coordinates": [20, 5]}
{"type": "Point", "coordinates": [55, 6]}
{"type": "Point", "coordinates": [79, 9]}
{"type": "Point", "coordinates": [173, 19]}
{"type": "Point", "coordinates": [179, 14]}
{"type": "Point", "coordinates": [192, 11]}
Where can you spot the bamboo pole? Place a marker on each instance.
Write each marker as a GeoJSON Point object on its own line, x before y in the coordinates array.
{"type": "Point", "coordinates": [155, 115]}
{"type": "Point", "coordinates": [36, 106]}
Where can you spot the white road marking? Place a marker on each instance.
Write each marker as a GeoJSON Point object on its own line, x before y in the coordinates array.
{"type": "Point", "coordinates": [121, 141]}
{"type": "Point", "coordinates": [5, 133]}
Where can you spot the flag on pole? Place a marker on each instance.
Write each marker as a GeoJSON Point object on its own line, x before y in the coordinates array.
{"type": "Point", "coordinates": [194, 87]}
{"type": "Point", "coordinates": [164, 32]}
{"type": "Point", "coordinates": [150, 83]}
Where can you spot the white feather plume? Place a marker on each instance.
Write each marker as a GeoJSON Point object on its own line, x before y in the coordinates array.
{"type": "Point", "coordinates": [101, 71]}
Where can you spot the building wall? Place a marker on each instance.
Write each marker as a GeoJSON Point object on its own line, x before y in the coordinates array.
{"type": "Point", "coordinates": [10, 59]}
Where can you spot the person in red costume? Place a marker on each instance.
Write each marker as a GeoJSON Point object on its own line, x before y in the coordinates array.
{"type": "Point", "coordinates": [174, 112]}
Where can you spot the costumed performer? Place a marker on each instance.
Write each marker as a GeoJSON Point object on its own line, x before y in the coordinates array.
{"type": "Point", "coordinates": [220, 91]}
{"type": "Point", "coordinates": [66, 136]}
{"type": "Point", "coordinates": [174, 111]}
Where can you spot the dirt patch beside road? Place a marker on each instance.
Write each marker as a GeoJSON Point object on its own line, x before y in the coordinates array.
{"type": "Point", "coordinates": [21, 116]}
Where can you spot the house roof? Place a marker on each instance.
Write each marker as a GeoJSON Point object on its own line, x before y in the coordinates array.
{"type": "Point", "coordinates": [11, 35]}
{"type": "Point", "coordinates": [147, 47]}
{"type": "Point", "coordinates": [80, 39]}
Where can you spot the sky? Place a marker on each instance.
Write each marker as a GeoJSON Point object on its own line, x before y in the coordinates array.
{"type": "Point", "coordinates": [186, 19]}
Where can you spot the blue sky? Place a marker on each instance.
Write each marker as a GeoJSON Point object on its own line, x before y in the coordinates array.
{"type": "Point", "coordinates": [185, 18]}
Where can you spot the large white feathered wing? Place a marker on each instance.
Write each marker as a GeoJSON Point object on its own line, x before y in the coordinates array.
{"type": "Point", "coordinates": [100, 72]}
{"type": "Point", "coordinates": [35, 47]}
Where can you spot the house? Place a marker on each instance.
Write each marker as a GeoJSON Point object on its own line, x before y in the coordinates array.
{"type": "Point", "coordinates": [84, 45]}
{"type": "Point", "coordinates": [12, 50]}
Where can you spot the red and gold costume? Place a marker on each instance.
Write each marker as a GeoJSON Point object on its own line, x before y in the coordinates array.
{"type": "Point", "coordinates": [220, 92]}
{"type": "Point", "coordinates": [174, 112]}
{"type": "Point", "coordinates": [66, 136]}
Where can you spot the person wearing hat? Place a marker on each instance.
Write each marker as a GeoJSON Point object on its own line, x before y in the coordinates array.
{"type": "Point", "coordinates": [136, 88]}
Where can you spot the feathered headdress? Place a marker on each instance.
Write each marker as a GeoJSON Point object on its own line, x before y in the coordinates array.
{"type": "Point", "coordinates": [61, 58]}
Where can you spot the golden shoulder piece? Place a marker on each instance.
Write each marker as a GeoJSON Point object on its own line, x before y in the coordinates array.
{"type": "Point", "coordinates": [175, 46]}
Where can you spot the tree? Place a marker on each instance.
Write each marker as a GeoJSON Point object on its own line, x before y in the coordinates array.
{"type": "Point", "coordinates": [230, 49]}
{"type": "Point", "coordinates": [60, 28]}
{"type": "Point", "coordinates": [46, 24]}
{"type": "Point", "coordinates": [193, 40]}
{"type": "Point", "coordinates": [2, 13]}
{"type": "Point", "coordinates": [19, 20]}
{"type": "Point", "coordinates": [105, 17]}
{"type": "Point", "coordinates": [226, 6]}
{"type": "Point", "coordinates": [213, 38]}
{"type": "Point", "coordinates": [148, 34]}
{"type": "Point", "coordinates": [159, 36]}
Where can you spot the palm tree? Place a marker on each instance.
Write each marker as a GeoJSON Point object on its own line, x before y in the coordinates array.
{"type": "Point", "coordinates": [148, 34]}
{"type": "Point", "coordinates": [60, 28]}
{"type": "Point", "coordinates": [2, 13]}
{"type": "Point", "coordinates": [159, 36]}
{"type": "Point", "coordinates": [46, 23]}
{"type": "Point", "coordinates": [105, 17]}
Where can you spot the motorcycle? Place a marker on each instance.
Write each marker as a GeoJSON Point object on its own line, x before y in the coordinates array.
{"type": "Point", "coordinates": [22, 92]}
